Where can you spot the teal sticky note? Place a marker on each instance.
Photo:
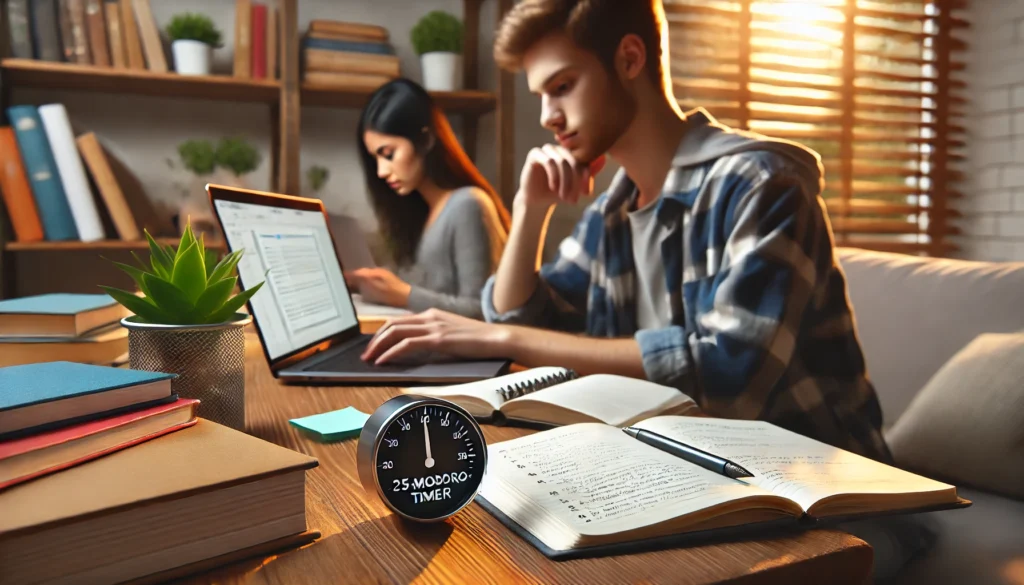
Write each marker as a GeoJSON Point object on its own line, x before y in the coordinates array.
{"type": "Point", "coordinates": [334, 425]}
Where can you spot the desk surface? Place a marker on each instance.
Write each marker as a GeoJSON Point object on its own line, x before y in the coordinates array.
{"type": "Point", "coordinates": [362, 542]}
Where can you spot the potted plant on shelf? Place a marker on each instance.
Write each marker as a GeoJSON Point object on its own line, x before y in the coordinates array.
{"type": "Point", "coordinates": [437, 39]}
{"type": "Point", "coordinates": [238, 156]}
{"type": "Point", "coordinates": [199, 157]}
{"type": "Point", "coordinates": [188, 323]}
{"type": "Point", "coordinates": [193, 38]}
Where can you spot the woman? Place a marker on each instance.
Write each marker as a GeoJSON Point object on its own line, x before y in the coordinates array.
{"type": "Point", "coordinates": [445, 225]}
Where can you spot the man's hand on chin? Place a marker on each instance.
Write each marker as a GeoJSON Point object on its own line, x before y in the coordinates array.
{"type": "Point", "coordinates": [435, 332]}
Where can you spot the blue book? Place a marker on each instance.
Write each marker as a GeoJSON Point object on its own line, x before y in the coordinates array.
{"type": "Point", "coordinates": [46, 395]}
{"type": "Point", "coordinates": [58, 314]}
{"type": "Point", "coordinates": [41, 168]}
{"type": "Point", "coordinates": [349, 46]}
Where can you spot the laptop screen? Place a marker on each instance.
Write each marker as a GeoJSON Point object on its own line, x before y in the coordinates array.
{"type": "Point", "coordinates": [304, 300]}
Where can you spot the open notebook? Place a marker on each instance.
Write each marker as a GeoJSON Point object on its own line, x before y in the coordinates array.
{"type": "Point", "coordinates": [557, 396]}
{"type": "Point", "coordinates": [590, 489]}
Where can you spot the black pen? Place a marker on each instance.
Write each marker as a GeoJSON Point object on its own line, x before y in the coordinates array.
{"type": "Point", "coordinates": [691, 454]}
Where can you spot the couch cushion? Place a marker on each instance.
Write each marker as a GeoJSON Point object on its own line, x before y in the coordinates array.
{"type": "Point", "coordinates": [914, 313]}
{"type": "Point", "coordinates": [980, 545]}
{"type": "Point", "coordinates": [967, 424]}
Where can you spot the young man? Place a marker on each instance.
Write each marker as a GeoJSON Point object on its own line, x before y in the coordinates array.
{"type": "Point", "coordinates": [708, 264]}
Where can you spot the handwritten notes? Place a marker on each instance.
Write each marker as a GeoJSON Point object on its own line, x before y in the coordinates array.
{"type": "Point", "coordinates": [597, 480]}
{"type": "Point", "coordinates": [791, 465]}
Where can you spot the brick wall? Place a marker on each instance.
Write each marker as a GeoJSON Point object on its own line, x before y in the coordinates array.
{"type": "Point", "coordinates": [993, 207]}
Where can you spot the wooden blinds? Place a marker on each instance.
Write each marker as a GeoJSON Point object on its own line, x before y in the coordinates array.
{"type": "Point", "coordinates": [871, 86]}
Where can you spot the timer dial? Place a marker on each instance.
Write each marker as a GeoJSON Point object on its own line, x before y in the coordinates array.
{"type": "Point", "coordinates": [428, 458]}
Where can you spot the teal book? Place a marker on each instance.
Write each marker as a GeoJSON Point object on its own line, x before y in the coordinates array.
{"type": "Point", "coordinates": [348, 46]}
{"type": "Point", "coordinates": [46, 395]}
{"type": "Point", "coordinates": [41, 168]}
{"type": "Point", "coordinates": [58, 315]}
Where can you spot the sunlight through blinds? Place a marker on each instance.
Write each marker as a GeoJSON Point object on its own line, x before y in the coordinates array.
{"type": "Point", "coordinates": [871, 86]}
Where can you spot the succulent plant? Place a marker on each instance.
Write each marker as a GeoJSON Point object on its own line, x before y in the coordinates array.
{"type": "Point", "coordinates": [317, 177]}
{"type": "Point", "coordinates": [183, 286]}
{"type": "Point", "coordinates": [437, 31]}
{"type": "Point", "coordinates": [194, 27]}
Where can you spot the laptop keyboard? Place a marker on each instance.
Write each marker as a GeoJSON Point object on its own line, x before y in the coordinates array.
{"type": "Point", "coordinates": [349, 361]}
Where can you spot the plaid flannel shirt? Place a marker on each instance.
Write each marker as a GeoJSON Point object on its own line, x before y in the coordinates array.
{"type": "Point", "coordinates": [761, 326]}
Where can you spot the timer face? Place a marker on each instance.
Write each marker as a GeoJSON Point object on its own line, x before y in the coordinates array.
{"type": "Point", "coordinates": [430, 461]}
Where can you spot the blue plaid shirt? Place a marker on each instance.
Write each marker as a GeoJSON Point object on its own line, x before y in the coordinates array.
{"type": "Point", "coordinates": [760, 325]}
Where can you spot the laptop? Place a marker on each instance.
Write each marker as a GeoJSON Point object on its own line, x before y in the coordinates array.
{"type": "Point", "coordinates": [354, 252]}
{"type": "Point", "coordinates": [304, 314]}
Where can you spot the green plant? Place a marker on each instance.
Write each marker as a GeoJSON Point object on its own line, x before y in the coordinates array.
{"type": "Point", "coordinates": [183, 286]}
{"type": "Point", "coordinates": [237, 155]}
{"type": "Point", "coordinates": [317, 177]}
{"type": "Point", "coordinates": [194, 27]}
{"type": "Point", "coordinates": [437, 31]}
{"type": "Point", "coordinates": [197, 156]}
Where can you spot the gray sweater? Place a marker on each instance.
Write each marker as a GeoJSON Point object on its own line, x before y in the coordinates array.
{"type": "Point", "coordinates": [456, 255]}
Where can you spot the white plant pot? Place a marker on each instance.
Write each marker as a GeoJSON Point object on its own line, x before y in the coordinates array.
{"type": "Point", "coordinates": [442, 71]}
{"type": "Point", "coordinates": [191, 57]}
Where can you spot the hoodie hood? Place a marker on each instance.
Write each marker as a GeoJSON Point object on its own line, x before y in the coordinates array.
{"type": "Point", "coordinates": [706, 140]}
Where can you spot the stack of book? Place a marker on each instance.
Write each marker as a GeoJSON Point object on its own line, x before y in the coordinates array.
{"type": "Point", "coordinates": [115, 467]}
{"type": "Point", "coordinates": [348, 54]}
{"type": "Point", "coordinates": [103, 33]}
{"type": "Point", "coordinates": [47, 189]}
{"type": "Point", "coordinates": [256, 40]}
{"type": "Point", "coordinates": [71, 327]}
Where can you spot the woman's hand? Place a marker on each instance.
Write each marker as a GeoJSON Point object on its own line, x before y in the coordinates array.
{"type": "Point", "coordinates": [380, 286]}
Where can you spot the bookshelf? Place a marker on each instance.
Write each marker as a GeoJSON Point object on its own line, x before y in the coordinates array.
{"type": "Point", "coordinates": [284, 98]}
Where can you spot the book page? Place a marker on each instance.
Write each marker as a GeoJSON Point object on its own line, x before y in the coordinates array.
{"type": "Point", "coordinates": [486, 391]}
{"type": "Point", "coordinates": [597, 480]}
{"type": "Point", "coordinates": [614, 400]}
{"type": "Point", "coordinates": [791, 465]}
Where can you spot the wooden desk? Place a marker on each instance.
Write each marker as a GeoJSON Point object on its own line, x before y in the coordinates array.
{"type": "Point", "coordinates": [362, 542]}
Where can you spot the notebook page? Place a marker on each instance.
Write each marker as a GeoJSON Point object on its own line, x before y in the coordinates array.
{"type": "Point", "coordinates": [788, 464]}
{"type": "Point", "coordinates": [597, 480]}
{"type": "Point", "coordinates": [485, 390]}
{"type": "Point", "coordinates": [615, 400]}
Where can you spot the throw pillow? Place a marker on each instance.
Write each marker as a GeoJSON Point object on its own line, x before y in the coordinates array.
{"type": "Point", "coordinates": [967, 424]}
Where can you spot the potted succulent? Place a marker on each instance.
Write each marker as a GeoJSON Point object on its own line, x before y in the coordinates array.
{"type": "Point", "coordinates": [437, 39]}
{"type": "Point", "coordinates": [188, 323]}
{"type": "Point", "coordinates": [193, 38]}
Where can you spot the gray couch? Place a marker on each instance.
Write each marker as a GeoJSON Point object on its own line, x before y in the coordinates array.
{"type": "Point", "coordinates": [913, 314]}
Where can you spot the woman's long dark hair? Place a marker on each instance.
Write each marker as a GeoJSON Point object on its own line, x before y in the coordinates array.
{"type": "Point", "coordinates": [403, 108]}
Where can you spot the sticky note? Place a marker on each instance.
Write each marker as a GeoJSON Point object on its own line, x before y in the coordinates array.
{"type": "Point", "coordinates": [334, 425]}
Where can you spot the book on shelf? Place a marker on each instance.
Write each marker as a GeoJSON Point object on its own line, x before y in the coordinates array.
{"type": "Point", "coordinates": [41, 168]}
{"type": "Point", "coordinates": [40, 454]}
{"type": "Point", "coordinates": [345, 80]}
{"type": "Point", "coordinates": [115, 30]}
{"type": "Point", "coordinates": [16, 191]}
{"type": "Point", "coordinates": [106, 183]}
{"type": "Point", "coordinates": [350, 46]}
{"type": "Point", "coordinates": [74, 31]}
{"type": "Point", "coordinates": [557, 396]}
{"type": "Point", "coordinates": [61, 139]}
{"type": "Point", "coordinates": [96, 23]}
{"type": "Point", "coordinates": [152, 46]}
{"type": "Point", "coordinates": [243, 39]}
{"type": "Point", "coordinates": [19, 29]}
{"type": "Point", "coordinates": [258, 23]}
{"type": "Point", "coordinates": [336, 28]}
{"type": "Point", "coordinates": [192, 495]}
{"type": "Point", "coordinates": [45, 26]}
{"type": "Point", "coordinates": [58, 314]}
{"type": "Point", "coordinates": [132, 39]}
{"type": "Point", "coordinates": [273, 41]}
{"type": "Point", "coordinates": [50, 395]}
{"type": "Point", "coordinates": [589, 489]}
{"type": "Point", "coordinates": [350, 62]}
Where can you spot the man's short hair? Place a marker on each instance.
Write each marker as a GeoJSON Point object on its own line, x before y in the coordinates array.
{"type": "Point", "coordinates": [597, 26]}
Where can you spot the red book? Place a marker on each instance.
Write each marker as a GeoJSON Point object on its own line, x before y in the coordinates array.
{"type": "Point", "coordinates": [35, 455]}
{"type": "Point", "coordinates": [259, 41]}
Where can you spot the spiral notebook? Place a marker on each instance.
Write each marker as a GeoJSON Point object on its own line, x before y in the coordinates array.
{"type": "Point", "coordinates": [552, 396]}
